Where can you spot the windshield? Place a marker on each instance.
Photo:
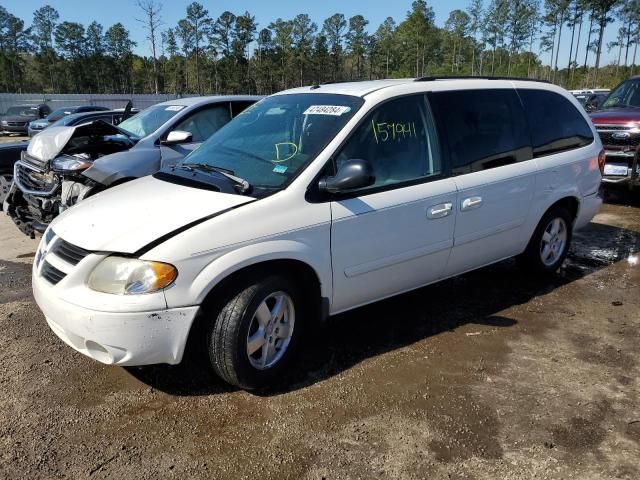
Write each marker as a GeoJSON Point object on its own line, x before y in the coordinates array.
{"type": "Point", "coordinates": [627, 94]}
{"type": "Point", "coordinates": [150, 119]}
{"type": "Point", "coordinates": [66, 120]}
{"type": "Point", "coordinates": [273, 140]}
{"type": "Point", "coordinates": [59, 113]}
{"type": "Point", "coordinates": [23, 111]}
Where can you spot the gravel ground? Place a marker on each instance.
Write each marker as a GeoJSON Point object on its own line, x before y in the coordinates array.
{"type": "Point", "coordinates": [488, 375]}
{"type": "Point", "coordinates": [12, 138]}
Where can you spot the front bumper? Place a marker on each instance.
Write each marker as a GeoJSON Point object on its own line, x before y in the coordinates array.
{"type": "Point", "coordinates": [14, 129]}
{"type": "Point", "coordinates": [125, 339]}
{"type": "Point", "coordinates": [622, 168]}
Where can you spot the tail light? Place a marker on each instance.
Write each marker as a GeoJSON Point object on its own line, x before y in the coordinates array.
{"type": "Point", "coordinates": [601, 160]}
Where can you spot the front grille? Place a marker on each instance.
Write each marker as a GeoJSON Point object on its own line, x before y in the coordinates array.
{"type": "Point", "coordinates": [607, 136]}
{"type": "Point", "coordinates": [51, 273]}
{"type": "Point", "coordinates": [16, 124]}
{"type": "Point", "coordinates": [69, 252]}
{"type": "Point", "coordinates": [611, 127]}
{"type": "Point", "coordinates": [34, 180]}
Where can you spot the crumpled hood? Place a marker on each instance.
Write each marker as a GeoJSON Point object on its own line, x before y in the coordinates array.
{"type": "Point", "coordinates": [49, 143]}
{"type": "Point", "coordinates": [128, 217]}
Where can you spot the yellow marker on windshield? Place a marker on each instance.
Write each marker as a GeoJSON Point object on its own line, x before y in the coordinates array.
{"type": "Point", "coordinates": [283, 156]}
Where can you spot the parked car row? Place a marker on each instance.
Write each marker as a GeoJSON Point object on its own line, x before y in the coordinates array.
{"type": "Point", "coordinates": [16, 119]}
{"type": "Point", "coordinates": [37, 126]}
{"type": "Point", "coordinates": [305, 204]}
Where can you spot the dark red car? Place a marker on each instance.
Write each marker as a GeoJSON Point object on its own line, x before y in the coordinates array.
{"type": "Point", "coordinates": [618, 123]}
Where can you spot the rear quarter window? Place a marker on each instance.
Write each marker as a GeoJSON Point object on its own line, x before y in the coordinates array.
{"type": "Point", "coordinates": [483, 129]}
{"type": "Point", "coordinates": [555, 123]}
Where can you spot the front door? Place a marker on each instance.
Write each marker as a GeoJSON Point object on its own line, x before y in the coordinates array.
{"type": "Point", "coordinates": [395, 235]}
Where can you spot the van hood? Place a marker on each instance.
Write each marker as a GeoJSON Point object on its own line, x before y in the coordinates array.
{"type": "Point", "coordinates": [128, 217]}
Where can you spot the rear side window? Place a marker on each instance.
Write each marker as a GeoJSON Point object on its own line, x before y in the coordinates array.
{"type": "Point", "coordinates": [555, 124]}
{"type": "Point", "coordinates": [483, 129]}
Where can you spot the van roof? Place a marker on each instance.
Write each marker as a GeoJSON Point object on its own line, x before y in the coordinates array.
{"type": "Point", "coordinates": [365, 87]}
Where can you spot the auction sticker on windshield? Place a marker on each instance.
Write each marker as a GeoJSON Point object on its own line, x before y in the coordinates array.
{"type": "Point", "coordinates": [326, 110]}
{"type": "Point", "coordinates": [174, 108]}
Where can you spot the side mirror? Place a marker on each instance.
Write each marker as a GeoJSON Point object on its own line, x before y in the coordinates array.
{"type": "Point", "coordinates": [177, 136]}
{"type": "Point", "coordinates": [352, 174]}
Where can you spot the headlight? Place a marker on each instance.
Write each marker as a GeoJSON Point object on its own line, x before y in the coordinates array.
{"type": "Point", "coordinates": [70, 164]}
{"type": "Point", "coordinates": [4, 122]}
{"type": "Point", "coordinates": [130, 276]}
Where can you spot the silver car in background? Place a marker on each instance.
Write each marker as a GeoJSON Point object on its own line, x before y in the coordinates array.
{"type": "Point", "coordinates": [63, 165]}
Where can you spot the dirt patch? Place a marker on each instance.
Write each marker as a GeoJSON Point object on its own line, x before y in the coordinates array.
{"type": "Point", "coordinates": [489, 375]}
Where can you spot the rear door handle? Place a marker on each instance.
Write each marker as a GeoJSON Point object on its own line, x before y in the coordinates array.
{"type": "Point", "coordinates": [439, 211]}
{"type": "Point", "coordinates": [471, 203]}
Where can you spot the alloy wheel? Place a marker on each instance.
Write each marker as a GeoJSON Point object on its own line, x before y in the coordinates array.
{"type": "Point", "coordinates": [270, 330]}
{"type": "Point", "coordinates": [553, 242]}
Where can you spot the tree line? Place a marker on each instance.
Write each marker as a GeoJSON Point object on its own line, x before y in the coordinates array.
{"type": "Point", "coordinates": [232, 54]}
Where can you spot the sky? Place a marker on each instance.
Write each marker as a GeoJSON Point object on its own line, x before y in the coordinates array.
{"type": "Point", "coordinates": [125, 11]}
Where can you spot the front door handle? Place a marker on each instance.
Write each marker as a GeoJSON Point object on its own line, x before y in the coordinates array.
{"type": "Point", "coordinates": [471, 203]}
{"type": "Point", "coordinates": [439, 211]}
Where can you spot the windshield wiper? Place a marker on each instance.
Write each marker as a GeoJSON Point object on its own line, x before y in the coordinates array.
{"type": "Point", "coordinates": [241, 183]}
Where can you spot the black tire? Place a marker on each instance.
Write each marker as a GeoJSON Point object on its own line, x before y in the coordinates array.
{"type": "Point", "coordinates": [531, 259]}
{"type": "Point", "coordinates": [228, 330]}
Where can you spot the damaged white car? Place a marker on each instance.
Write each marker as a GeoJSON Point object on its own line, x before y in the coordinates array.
{"type": "Point", "coordinates": [64, 165]}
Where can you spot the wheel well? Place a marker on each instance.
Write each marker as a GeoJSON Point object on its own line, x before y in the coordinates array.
{"type": "Point", "coordinates": [303, 275]}
{"type": "Point", "coordinates": [571, 204]}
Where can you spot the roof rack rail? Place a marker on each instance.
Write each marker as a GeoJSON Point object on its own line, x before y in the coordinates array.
{"type": "Point", "coordinates": [331, 82]}
{"type": "Point", "coordinates": [469, 77]}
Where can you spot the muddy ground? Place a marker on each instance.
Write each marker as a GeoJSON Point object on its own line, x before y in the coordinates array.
{"type": "Point", "coordinates": [491, 375]}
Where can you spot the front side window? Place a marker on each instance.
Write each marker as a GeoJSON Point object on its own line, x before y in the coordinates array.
{"type": "Point", "coordinates": [625, 95]}
{"type": "Point", "coordinates": [399, 140]}
{"type": "Point", "coordinates": [556, 125]}
{"type": "Point", "coordinates": [204, 123]}
{"type": "Point", "coordinates": [483, 129]}
{"type": "Point", "coordinates": [150, 119]}
{"type": "Point", "coordinates": [270, 142]}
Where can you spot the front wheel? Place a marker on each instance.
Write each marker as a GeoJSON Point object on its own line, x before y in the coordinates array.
{"type": "Point", "coordinates": [550, 242]}
{"type": "Point", "coordinates": [256, 332]}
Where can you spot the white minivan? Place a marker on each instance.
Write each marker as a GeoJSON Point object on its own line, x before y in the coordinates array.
{"type": "Point", "coordinates": [315, 201]}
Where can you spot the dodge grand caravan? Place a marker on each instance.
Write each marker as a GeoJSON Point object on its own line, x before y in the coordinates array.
{"type": "Point", "coordinates": [315, 201]}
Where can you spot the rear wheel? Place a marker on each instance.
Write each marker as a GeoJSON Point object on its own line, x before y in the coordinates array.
{"type": "Point", "coordinates": [550, 242]}
{"type": "Point", "coordinates": [254, 335]}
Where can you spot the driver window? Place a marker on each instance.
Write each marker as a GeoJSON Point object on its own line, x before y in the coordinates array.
{"type": "Point", "coordinates": [204, 123]}
{"type": "Point", "coordinates": [399, 140]}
